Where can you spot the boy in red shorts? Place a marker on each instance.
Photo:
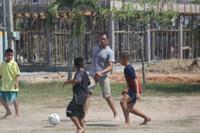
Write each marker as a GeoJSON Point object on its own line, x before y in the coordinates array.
{"type": "Point", "coordinates": [132, 93]}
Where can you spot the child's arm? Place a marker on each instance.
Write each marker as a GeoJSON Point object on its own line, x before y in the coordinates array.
{"type": "Point", "coordinates": [137, 89]}
{"type": "Point", "coordinates": [16, 84]}
{"type": "Point", "coordinates": [73, 81]}
{"type": "Point", "coordinates": [125, 91]}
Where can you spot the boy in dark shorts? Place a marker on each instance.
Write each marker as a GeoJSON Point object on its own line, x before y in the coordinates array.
{"type": "Point", "coordinates": [75, 109]}
{"type": "Point", "coordinates": [132, 93]}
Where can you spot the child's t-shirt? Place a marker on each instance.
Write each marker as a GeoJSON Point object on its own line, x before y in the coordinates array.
{"type": "Point", "coordinates": [130, 75]}
{"type": "Point", "coordinates": [8, 73]}
{"type": "Point", "coordinates": [80, 90]}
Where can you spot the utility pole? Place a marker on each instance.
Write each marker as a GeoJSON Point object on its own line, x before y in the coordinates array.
{"type": "Point", "coordinates": [4, 26]}
{"type": "Point", "coordinates": [10, 28]}
{"type": "Point", "coordinates": [112, 27]}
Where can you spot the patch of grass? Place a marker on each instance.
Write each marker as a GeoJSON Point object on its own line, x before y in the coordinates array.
{"type": "Point", "coordinates": [48, 91]}
{"type": "Point", "coordinates": [172, 89]}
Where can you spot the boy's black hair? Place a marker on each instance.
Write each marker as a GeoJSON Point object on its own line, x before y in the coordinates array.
{"type": "Point", "coordinates": [125, 55]}
{"type": "Point", "coordinates": [104, 33]}
{"type": "Point", "coordinates": [9, 50]}
{"type": "Point", "coordinates": [79, 62]}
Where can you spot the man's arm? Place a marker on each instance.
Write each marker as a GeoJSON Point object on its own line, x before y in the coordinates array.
{"type": "Point", "coordinates": [109, 68]}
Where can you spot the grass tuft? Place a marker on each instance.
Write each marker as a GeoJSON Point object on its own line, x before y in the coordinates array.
{"type": "Point", "coordinates": [55, 90]}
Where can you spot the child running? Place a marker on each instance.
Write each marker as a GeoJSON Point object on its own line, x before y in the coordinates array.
{"type": "Point", "coordinates": [9, 75]}
{"type": "Point", "coordinates": [80, 83]}
{"type": "Point", "coordinates": [132, 93]}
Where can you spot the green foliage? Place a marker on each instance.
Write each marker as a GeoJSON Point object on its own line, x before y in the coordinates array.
{"type": "Point", "coordinates": [144, 14]}
{"type": "Point", "coordinates": [76, 9]}
{"type": "Point", "coordinates": [196, 1]}
{"type": "Point", "coordinates": [164, 18]}
{"type": "Point", "coordinates": [172, 89]}
{"type": "Point", "coordinates": [78, 23]}
{"type": "Point", "coordinates": [54, 8]}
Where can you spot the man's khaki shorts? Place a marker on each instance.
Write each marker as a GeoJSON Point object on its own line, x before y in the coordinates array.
{"type": "Point", "coordinates": [104, 85]}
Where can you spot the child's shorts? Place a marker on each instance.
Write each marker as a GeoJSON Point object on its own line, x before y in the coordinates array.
{"type": "Point", "coordinates": [9, 96]}
{"type": "Point", "coordinates": [133, 98]}
{"type": "Point", "coordinates": [75, 110]}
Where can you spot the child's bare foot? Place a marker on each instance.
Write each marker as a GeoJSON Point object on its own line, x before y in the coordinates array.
{"type": "Point", "coordinates": [7, 114]}
{"type": "Point", "coordinates": [116, 118]}
{"type": "Point", "coordinates": [126, 125]}
{"type": "Point", "coordinates": [81, 130]}
{"type": "Point", "coordinates": [146, 121]}
{"type": "Point", "coordinates": [17, 116]}
{"type": "Point", "coordinates": [85, 120]}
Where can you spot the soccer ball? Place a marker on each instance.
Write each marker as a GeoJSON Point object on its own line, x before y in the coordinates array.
{"type": "Point", "coordinates": [54, 119]}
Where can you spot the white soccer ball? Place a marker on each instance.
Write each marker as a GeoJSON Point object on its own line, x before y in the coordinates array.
{"type": "Point", "coordinates": [54, 119]}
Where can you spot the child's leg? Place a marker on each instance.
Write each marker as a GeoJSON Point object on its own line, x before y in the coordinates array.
{"type": "Point", "coordinates": [135, 111]}
{"type": "Point", "coordinates": [86, 107]}
{"type": "Point", "coordinates": [124, 105]}
{"type": "Point", "coordinates": [4, 103]}
{"type": "Point", "coordinates": [81, 121]}
{"type": "Point", "coordinates": [16, 105]}
{"type": "Point", "coordinates": [77, 123]}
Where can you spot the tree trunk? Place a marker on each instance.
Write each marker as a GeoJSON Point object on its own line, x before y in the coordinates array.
{"type": "Point", "coordinates": [70, 57]}
{"type": "Point", "coordinates": [143, 58]}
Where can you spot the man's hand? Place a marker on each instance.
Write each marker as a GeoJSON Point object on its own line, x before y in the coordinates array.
{"type": "Point", "coordinates": [97, 75]}
{"type": "Point", "coordinates": [16, 85]}
{"type": "Point", "coordinates": [138, 96]}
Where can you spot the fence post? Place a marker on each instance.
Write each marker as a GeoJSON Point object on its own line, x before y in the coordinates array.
{"type": "Point", "coordinates": [149, 42]}
{"type": "Point", "coordinates": [181, 38]}
{"type": "Point", "coordinates": [49, 42]}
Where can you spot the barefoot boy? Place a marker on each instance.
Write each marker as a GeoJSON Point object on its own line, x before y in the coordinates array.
{"type": "Point", "coordinates": [9, 74]}
{"type": "Point", "coordinates": [132, 93]}
{"type": "Point", "coordinates": [80, 83]}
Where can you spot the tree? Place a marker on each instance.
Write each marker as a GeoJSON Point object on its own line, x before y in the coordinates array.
{"type": "Point", "coordinates": [77, 22]}
{"type": "Point", "coordinates": [139, 15]}
{"type": "Point", "coordinates": [137, 18]}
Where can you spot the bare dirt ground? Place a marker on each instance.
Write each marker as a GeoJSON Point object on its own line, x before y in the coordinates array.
{"type": "Point", "coordinates": [169, 115]}
{"type": "Point", "coordinates": [163, 78]}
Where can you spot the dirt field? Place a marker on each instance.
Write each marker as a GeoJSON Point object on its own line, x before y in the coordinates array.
{"type": "Point", "coordinates": [169, 115]}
